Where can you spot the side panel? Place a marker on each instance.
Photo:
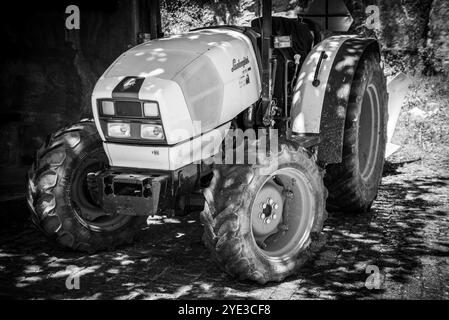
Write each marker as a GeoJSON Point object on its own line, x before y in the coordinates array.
{"type": "Point", "coordinates": [222, 82]}
{"type": "Point", "coordinates": [322, 109]}
{"type": "Point", "coordinates": [237, 65]}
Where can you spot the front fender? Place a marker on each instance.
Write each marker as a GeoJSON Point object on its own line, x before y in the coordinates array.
{"type": "Point", "coordinates": [319, 107]}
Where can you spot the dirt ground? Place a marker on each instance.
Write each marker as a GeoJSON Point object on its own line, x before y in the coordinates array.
{"type": "Point", "coordinates": [405, 238]}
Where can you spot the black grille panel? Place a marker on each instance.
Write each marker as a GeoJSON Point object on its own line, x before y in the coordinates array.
{"type": "Point", "coordinates": [128, 109]}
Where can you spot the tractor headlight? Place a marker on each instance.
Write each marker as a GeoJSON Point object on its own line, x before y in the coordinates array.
{"type": "Point", "coordinates": [152, 132]}
{"type": "Point", "coordinates": [119, 130]}
{"type": "Point", "coordinates": [151, 109]}
{"type": "Point", "coordinates": [107, 108]}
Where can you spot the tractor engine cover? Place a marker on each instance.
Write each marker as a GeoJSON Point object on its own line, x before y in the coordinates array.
{"type": "Point", "coordinates": [201, 79]}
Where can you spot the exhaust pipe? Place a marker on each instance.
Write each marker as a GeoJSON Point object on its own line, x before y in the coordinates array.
{"type": "Point", "coordinates": [267, 51]}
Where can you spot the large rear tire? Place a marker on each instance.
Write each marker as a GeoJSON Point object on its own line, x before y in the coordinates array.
{"type": "Point", "coordinates": [264, 227]}
{"type": "Point", "coordinates": [63, 204]}
{"type": "Point", "coordinates": [354, 183]}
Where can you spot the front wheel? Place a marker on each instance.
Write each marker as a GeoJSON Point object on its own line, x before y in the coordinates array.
{"type": "Point", "coordinates": [64, 203]}
{"type": "Point", "coordinates": [263, 227]}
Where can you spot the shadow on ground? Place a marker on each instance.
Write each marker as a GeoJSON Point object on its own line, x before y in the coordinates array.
{"type": "Point", "coordinates": [405, 237]}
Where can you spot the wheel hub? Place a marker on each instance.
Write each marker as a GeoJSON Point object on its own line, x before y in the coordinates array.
{"type": "Point", "coordinates": [269, 211]}
{"type": "Point", "coordinates": [266, 216]}
{"type": "Point", "coordinates": [282, 213]}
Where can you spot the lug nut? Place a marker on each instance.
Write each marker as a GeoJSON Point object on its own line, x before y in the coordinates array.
{"type": "Point", "coordinates": [276, 206]}
{"type": "Point", "coordinates": [262, 216]}
{"type": "Point", "coordinates": [274, 216]}
{"type": "Point", "coordinates": [271, 201]}
{"type": "Point", "coordinates": [267, 220]}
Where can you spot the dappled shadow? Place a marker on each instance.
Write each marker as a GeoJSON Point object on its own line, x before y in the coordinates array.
{"type": "Point", "coordinates": [407, 225]}
{"type": "Point", "coordinates": [168, 261]}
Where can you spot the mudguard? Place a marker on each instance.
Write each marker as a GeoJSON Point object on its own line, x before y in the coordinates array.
{"type": "Point", "coordinates": [321, 93]}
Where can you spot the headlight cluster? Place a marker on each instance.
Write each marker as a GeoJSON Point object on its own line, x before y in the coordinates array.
{"type": "Point", "coordinates": [132, 120]}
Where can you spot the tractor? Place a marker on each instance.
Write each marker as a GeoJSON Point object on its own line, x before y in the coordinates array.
{"type": "Point", "coordinates": [313, 112]}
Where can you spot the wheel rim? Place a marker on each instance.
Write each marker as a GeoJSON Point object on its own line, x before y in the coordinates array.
{"type": "Point", "coordinates": [86, 208]}
{"type": "Point", "coordinates": [369, 129]}
{"type": "Point", "coordinates": [282, 214]}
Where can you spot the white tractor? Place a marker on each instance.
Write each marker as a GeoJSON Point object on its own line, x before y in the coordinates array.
{"type": "Point", "coordinates": [162, 112]}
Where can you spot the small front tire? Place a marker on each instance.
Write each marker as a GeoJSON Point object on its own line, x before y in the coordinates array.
{"type": "Point", "coordinates": [62, 204]}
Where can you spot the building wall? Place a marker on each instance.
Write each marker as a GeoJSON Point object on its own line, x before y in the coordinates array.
{"type": "Point", "coordinates": [48, 72]}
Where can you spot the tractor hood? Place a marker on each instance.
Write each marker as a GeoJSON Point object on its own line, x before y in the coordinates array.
{"type": "Point", "coordinates": [200, 80]}
{"type": "Point", "coordinates": [164, 58]}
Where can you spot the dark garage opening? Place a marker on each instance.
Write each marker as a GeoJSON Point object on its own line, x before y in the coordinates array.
{"type": "Point", "coordinates": [48, 71]}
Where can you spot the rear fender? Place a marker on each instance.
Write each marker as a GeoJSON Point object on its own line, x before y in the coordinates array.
{"type": "Point", "coordinates": [321, 94]}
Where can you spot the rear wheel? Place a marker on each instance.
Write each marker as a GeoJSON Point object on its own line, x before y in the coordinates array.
{"type": "Point", "coordinates": [353, 184]}
{"type": "Point", "coordinates": [63, 200]}
{"type": "Point", "coordinates": [263, 227]}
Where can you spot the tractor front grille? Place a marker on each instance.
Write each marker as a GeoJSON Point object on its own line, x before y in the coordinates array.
{"type": "Point", "coordinates": [127, 109]}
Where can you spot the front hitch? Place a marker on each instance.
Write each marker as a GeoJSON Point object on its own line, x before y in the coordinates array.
{"type": "Point", "coordinates": [130, 194]}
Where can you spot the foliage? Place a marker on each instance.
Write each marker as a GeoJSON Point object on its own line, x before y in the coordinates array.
{"type": "Point", "coordinates": [182, 15]}
{"type": "Point", "coordinates": [413, 33]}
{"type": "Point", "coordinates": [425, 115]}
{"type": "Point", "coordinates": [438, 39]}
